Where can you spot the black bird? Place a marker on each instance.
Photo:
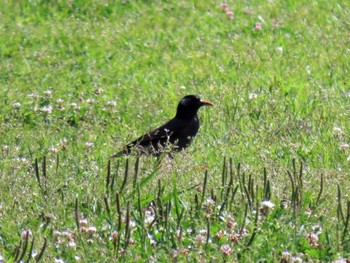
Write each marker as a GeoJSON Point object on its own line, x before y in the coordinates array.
{"type": "Point", "coordinates": [175, 135]}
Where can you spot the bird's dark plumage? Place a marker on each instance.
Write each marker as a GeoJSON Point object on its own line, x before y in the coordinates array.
{"type": "Point", "coordinates": [175, 135]}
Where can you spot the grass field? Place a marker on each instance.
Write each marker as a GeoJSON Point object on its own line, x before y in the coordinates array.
{"type": "Point", "coordinates": [267, 177]}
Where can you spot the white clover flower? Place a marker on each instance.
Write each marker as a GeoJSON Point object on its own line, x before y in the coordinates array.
{"type": "Point", "coordinates": [33, 96]}
{"type": "Point", "coordinates": [296, 259]}
{"type": "Point", "coordinates": [53, 149]}
{"type": "Point", "coordinates": [72, 244]}
{"type": "Point", "coordinates": [16, 105]}
{"type": "Point", "coordinates": [47, 109]}
{"type": "Point", "coordinates": [26, 232]}
{"type": "Point", "coordinates": [5, 148]}
{"type": "Point", "coordinates": [286, 256]}
{"type": "Point", "coordinates": [90, 101]}
{"type": "Point", "coordinates": [74, 105]}
{"type": "Point", "coordinates": [279, 49]}
{"type": "Point", "coordinates": [91, 229]}
{"type": "Point", "coordinates": [266, 207]}
{"type": "Point", "coordinates": [83, 222]}
{"type": "Point", "coordinates": [313, 239]}
{"type": "Point", "coordinates": [114, 235]}
{"type": "Point", "coordinates": [47, 92]}
{"type": "Point", "coordinates": [89, 144]}
{"type": "Point", "coordinates": [337, 129]}
{"type": "Point", "coordinates": [252, 96]}
{"type": "Point", "coordinates": [149, 217]}
{"type": "Point", "coordinates": [112, 103]}
{"type": "Point", "coordinates": [226, 249]}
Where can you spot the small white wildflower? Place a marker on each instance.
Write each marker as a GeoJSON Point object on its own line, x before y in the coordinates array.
{"type": "Point", "coordinates": [33, 96]}
{"type": "Point", "coordinates": [266, 207]}
{"type": "Point", "coordinates": [252, 96]}
{"type": "Point", "coordinates": [25, 233]}
{"type": "Point", "coordinates": [91, 229]}
{"type": "Point", "coordinates": [279, 49]}
{"type": "Point", "coordinates": [74, 105]}
{"type": "Point", "coordinates": [47, 92]}
{"type": "Point", "coordinates": [112, 103]}
{"type": "Point", "coordinates": [90, 101]}
{"type": "Point", "coordinates": [308, 70]}
{"type": "Point", "coordinates": [235, 238]}
{"type": "Point", "coordinates": [77, 257]}
{"type": "Point", "coordinates": [89, 144]}
{"type": "Point", "coordinates": [83, 222]}
{"type": "Point", "coordinates": [244, 233]}
{"type": "Point", "coordinates": [313, 239]}
{"type": "Point", "coordinates": [220, 234]}
{"type": "Point", "coordinates": [59, 101]}
{"type": "Point", "coordinates": [268, 203]}
{"type": "Point", "coordinates": [132, 224]}
{"type": "Point", "coordinates": [210, 201]}
{"type": "Point", "coordinates": [67, 234]}
{"type": "Point", "coordinates": [226, 249]}
{"type": "Point", "coordinates": [98, 91]}
{"type": "Point", "coordinates": [200, 239]}
{"type": "Point", "coordinates": [149, 217]}
{"type": "Point", "coordinates": [34, 253]}
{"type": "Point", "coordinates": [296, 259]}
{"type": "Point", "coordinates": [344, 145]}
{"type": "Point", "coordinates": [53, 149]}
{"type": "Point", "coordinates": [58, 260]}
{"type": "Point", "coordinates": [72, 244]}
{"type": "Point", "coordinates": [151, 239]}
{"type": "Point", "coordinates": [203, 232]}
{"type": "Point", "coordinates": [230, 222]}
{"type": "Point", "coordinates": [337, 129]}
{"type": "Point", "coordinates": [114, 235]}
{"type": "Point", "coordinates": [317, 229]}
{"type": "Point", "coordinates": [286, 256]}
{"type": "Point", "coordinates": [47, 109]}
{"type": "Point", "coordinates": [16, 105]}
{"type": "Point", "coordinates": [5, 148]}
{"type": "Point", "coordinates": [258, 26]}
{"type": "Point", "coordinates": [340, 260]}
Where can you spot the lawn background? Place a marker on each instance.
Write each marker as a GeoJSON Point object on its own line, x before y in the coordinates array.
{"type": "Point", "coordinates": [79, 79]}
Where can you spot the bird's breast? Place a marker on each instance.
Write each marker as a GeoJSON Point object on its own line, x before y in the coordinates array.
{"type": "Point", "coordinates": [184, 137]}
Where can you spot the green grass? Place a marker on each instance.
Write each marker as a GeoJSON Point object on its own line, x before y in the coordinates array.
{"type": "Point", "coordinates": [79, 79]}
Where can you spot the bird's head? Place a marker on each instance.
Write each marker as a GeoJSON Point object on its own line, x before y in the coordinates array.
{"type": "Point", "coordinates": [189, 106]}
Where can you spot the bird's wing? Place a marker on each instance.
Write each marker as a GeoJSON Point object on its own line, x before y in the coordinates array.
{"type": "Point", "coordinates": [171, 128]}
{"type": "Point", "coordinates": [154, 137]}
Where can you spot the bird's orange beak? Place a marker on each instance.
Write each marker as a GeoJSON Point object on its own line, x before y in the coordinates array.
{"type": "Point", "coordinates": [206, 103]}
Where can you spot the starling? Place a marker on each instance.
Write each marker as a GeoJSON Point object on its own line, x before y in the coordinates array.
{"type": "Point", "coordinates": [175, 135]}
